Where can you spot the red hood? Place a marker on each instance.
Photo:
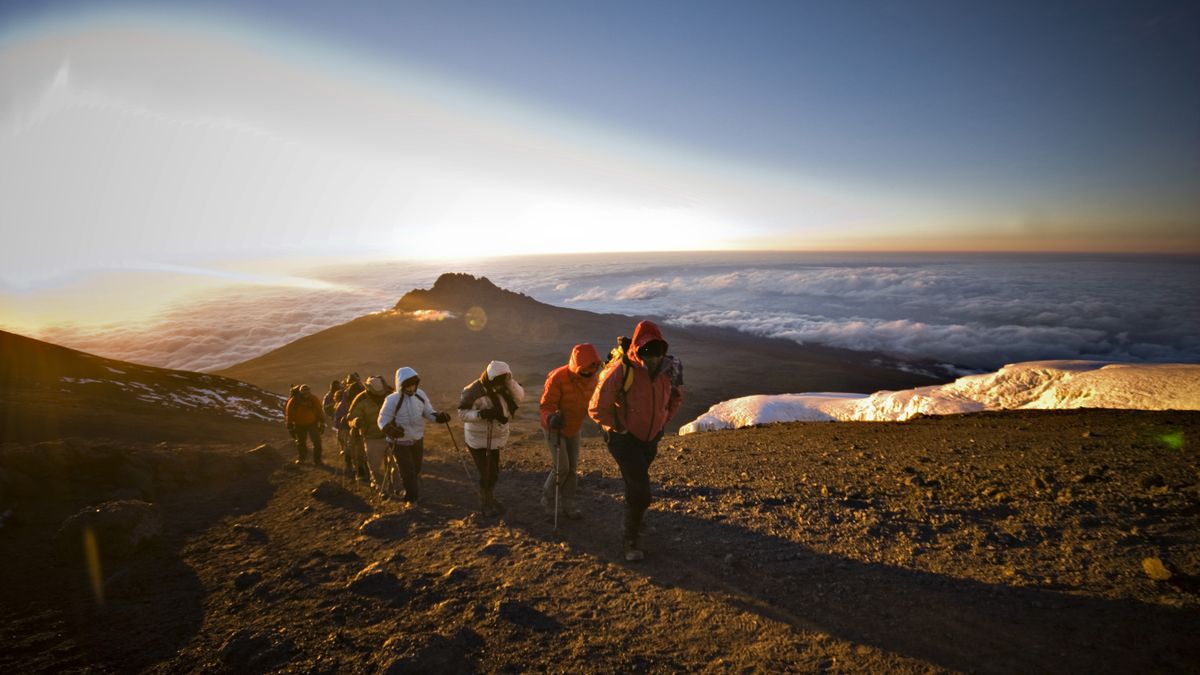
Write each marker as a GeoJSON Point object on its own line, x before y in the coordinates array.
{"type": "Point", "coordinates": [582, 355]}
{"type": "Point", "coordinates": [645, 333]}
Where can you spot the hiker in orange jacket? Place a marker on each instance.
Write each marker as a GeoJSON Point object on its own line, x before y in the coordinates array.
{"type": "Point", "coordinates": [563, 409]}
{"type": "Point", "coordinates": [634, 418]}
{"type": "Point", "coordinates": [305, 419]}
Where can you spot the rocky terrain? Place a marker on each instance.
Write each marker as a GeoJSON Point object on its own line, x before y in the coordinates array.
{"type": "Point", "coordinates": [992, 542]}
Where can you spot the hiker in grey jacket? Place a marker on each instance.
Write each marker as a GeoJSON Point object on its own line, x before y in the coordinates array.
{"type": "Point", "coordinates": [485, 407]}
{"type": "Point", "coordinates": [402, 419]}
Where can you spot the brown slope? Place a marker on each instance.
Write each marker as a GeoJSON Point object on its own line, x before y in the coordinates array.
{"type": "Point", "coordinates": [988, 543]}
{"type": "Point", "coordinates": [534, 338]}
{"type": "Point", "coordinates": [49, 392]}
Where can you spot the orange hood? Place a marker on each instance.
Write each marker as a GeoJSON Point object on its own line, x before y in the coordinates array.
{"type": "Point", "coordinates": [645, 333]}
{"type": "Point", "coordinates": [582, 356]}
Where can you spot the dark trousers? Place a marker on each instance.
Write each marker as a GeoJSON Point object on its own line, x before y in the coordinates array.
{"type": "Point", "coordinates": [301, 435]}
{"type": "Point", "coordinates": [488, 463]}
{"type": "Point", "coordinates": [633, 456]}
{"type": "Point", "coordinates": [408, 458]}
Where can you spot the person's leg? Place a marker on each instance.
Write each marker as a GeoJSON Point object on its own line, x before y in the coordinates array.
{"type": "Point", "coordinates": [376, 448]}
{"type": "Point", "coordinates": [570, 467]}
{"type": "Point", "coordinates": [493, 460]}
{"type": "Point", "coordinates": [299, 439]}
{"type": "Point", "coordinates": [314, 433]}
{"type": "Point", "coordinates": [406, 457]}
{"type": "Point", "coordinates": [480, 457]}
{"type": "Point", "coordinates": [548, 486]}
{"type": "Point", "coordinates": [630, 455]}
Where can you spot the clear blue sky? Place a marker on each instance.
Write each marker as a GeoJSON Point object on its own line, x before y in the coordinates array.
{"type": "Point", "coordinates": [1022, 125]}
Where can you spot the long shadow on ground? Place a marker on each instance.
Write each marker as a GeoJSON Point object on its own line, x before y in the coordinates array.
{"type": "Point", "coordinates": [953, 623]}
{"type": "Point", "coordinates": [153, 602]}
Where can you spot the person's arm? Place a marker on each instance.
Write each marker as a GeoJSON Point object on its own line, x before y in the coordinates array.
{"type": "Point", "coordinates": [551, 397]}
{"type": "Point", "coordinates": [387, 410]}
{"type": "Point", "coordinates": [600, 409]}
{"type": "Point", "coordinates": [427, 412]}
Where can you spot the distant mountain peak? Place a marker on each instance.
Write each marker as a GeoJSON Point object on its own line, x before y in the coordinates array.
{"type": "Point", "coordinates": [456, 291]}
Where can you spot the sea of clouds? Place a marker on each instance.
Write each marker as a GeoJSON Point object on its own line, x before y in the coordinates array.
{"type": "Point", "coordinates": [977, 312]}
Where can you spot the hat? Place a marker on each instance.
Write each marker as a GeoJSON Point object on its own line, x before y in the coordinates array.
{"type": "Point", "coordinates": [303, 387]}
{"type": "Point", "coordinates": [496, 369]}
{"type": "Point", "coordinates": [375, 385]}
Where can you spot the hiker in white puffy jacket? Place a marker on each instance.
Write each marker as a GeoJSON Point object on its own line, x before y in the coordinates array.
{"type": "Point", "coordinates": [402, 419]}
{"type": "Point", "coordinates": [486, 407]}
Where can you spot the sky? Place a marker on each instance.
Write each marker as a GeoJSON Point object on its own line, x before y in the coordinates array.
{"type": "Point", "coordinates": [228, 140]}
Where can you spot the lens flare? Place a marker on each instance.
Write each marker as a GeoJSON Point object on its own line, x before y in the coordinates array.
{"type": "Point", "coordinates": [1173, 440]}
{"type": "Point", "coordinates": [476, 318]}
{"type": "Point", "coordinates": [91, 554]}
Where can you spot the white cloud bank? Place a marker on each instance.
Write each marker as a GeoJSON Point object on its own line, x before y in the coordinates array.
{"type": "Point", "coordinates": [1042, 385]}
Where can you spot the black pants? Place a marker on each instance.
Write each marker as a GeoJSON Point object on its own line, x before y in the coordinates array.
{"type": "Point", "coordinates": [409, 458]}
{"type": "Point", "coordinates": [300, 436]}
{"type": "Point", "coordinates": [633, 456]}
{"type": "Point", "coordinates": [488, 463]}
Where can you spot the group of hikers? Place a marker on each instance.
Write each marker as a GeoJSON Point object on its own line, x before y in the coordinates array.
{"type": "Point", "coordinates": [631, 395]}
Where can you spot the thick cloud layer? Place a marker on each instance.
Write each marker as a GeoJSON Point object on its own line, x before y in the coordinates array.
{"type": "Point", "coordinates": [978, 312]}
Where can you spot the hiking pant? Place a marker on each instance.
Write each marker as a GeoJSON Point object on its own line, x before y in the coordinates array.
{"type": "Point", "coordinates": [377, 448]}
{"type": "Point", "coordinates": [568, 461]}
{"type": "Point", "coordinates": [355, 455]}
{"type": "Point", "coordinates": [409, 457]}
{"type": "Point", "coordinates": [301, 435]}
{"type": "Point", "coordinates": [633, 456]}
{"type": "Point", "coordinates": [488, 463]}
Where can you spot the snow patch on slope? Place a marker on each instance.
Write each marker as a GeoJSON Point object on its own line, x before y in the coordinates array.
{"type": "Point", "coordinates": [1045, 385]}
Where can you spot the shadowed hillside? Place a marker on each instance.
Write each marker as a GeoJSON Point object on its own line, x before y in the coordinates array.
{"type": "Point", "coordinates": [450, 332]}
{"type": "Point", "coordinates": [49, 392]}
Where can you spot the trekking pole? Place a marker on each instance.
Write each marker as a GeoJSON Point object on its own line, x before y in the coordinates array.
{"type": "Point", "coordinates": [458, 451]}
{"type": "Point", "coordinates": [557, 472]}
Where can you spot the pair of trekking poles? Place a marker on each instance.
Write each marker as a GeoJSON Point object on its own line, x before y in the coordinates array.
{"type": "Point", "coordinates": [558, 477]}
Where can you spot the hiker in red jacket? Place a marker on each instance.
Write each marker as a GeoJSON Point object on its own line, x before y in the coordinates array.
{"type": "Point", "coordinates": [305, 419]}
{"type": "Point", "coordinates": [563, 409]}
{"type": "Point", "coordinates": [633, 411]}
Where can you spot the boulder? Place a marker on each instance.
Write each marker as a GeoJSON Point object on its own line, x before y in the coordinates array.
{"type": "Point", "coordinates": [386, 526]}
{"type": "Point", "coordinates": [375, 581]}
{"type": "Point", "coordinates": [119, 526]}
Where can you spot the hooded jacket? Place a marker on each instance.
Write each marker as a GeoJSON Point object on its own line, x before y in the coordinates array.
{"type": "Point", "coordinates": [568, 392]}
{"type": "Point", "coordinates": [409, 412]}
{"type": "Point", "coordinates": [651, 400]}
{"type": "Point", "coordinates": [483, 394]}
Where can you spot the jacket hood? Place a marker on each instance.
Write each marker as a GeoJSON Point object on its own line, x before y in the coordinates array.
{"type": "Point", "coordinates": [403, 374]}
{"type": "Point", "coordinates": [645, 333]}
{"type": "Point", "coordinates": [582, 356]}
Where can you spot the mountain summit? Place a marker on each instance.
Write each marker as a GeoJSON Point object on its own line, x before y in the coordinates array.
{"type": "Point", "coordinates": [458, 292]}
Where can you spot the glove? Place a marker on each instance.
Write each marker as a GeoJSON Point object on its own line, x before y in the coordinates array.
{"type": "Point", "coordinates": [441, 417]}
{"type": "Point", "coordinates": [555, 421]}
{"type": "Point", "coordinates": [493, 414]}
{"type": "Point", "coordinates": [392, 430]}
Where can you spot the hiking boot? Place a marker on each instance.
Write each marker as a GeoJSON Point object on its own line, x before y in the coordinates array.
{"type": "Point", "coordinates": [632, 552]}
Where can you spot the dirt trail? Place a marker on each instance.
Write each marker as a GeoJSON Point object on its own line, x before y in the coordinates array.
{"type": "Point", "coordinates": [982, 543]}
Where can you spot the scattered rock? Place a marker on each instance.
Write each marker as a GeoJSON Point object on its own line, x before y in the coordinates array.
{"type": "Point", "coordinates": [524, 615]}
{"type": "Point", "coordinates": [328, 490]}
{"type": "Point", "coordinates": [247, 579]}
{"type": "Point", "coordinates": [433, 653]}
{"type": "Point", "coordinates": [250, 651]}
{"type": "Point", "coordinates": [375, 581]}
{"type": "Point", "coordinates": [264, 453]}
{"type": "Point", "coordinates": [1154, 568]}
{"type": "Point", "coordinates": [496, 549]}
{"type": "Point", "coordinates": [386, 526]}
{"type": "Point", "coordinates": [119, 526]}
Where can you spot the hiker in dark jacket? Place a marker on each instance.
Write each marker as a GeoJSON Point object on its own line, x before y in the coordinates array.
{"type": "Point", "coordinates": [633, 414]}
{"type": "Point", "coordinates": [402, 420]}
{"type": "Point", "coordinates": [305, 420]}
{"type": "Point", "coordinates": [350, 442]}
{"type": "Point", "coordinates": [329, 402]}
{"type": "Point", "coordinates": [485, 407]}
{"type": "Point", "coordinates": [564, 407]}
